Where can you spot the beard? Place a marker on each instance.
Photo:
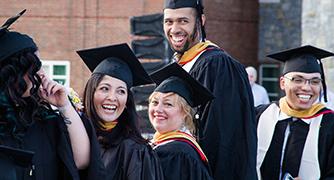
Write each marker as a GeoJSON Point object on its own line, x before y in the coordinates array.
{"type": "Point", "coordinates": [189, 42]}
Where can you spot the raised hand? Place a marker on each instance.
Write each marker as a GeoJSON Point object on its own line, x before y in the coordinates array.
{"type": "Point", "coordinates": [53, 92]}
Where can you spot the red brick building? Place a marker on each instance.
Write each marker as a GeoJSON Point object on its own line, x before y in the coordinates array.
{"type": "Point", "coordinates": [61, 27]}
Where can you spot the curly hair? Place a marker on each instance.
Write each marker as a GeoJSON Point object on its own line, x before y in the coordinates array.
{"type": "Point", "coordinates": [128, 119]}
{"type": "Point", "coordinates": [13, 86]}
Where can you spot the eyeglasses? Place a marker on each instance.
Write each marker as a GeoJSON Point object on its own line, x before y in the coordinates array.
{"type": "Point", "coordinates": [300, 80]}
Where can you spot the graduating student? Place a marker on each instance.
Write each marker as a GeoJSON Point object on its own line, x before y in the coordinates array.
{"type": "Point", "coordinates": [171, 114]}
{"type": "Point", "coordinates": [295, 135]}
{"type": "Point", "coordinates": [227, 127]}
{"type": "Point", "coordinates": [109, 104]}
{"type": "Point", "coordinates": [57, 139]}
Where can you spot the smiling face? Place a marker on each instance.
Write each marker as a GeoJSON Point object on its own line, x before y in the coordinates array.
{"type": "Point", "coordinates": [180, 28]}
{"type": "Point", "coordinates": [300, 96]}
{"type": "Point", "coordinates": [110, 98]}
{"type": "Point", "coordinates": [165, 113]}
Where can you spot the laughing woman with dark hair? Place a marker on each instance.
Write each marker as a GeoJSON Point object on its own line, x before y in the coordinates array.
{"type": "Point", "coordinates": [48, 144]}
{"type": "Point", "coordinates": [109, 104]}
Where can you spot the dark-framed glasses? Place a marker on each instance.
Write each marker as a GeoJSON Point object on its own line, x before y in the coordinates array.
{"type": "Point", "coordinates": [300, 80]}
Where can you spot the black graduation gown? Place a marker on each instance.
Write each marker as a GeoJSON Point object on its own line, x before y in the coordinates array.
{"type": "Point", "coordinates": [10, 158]}
{"type": "Point", "coordinates": [326, 147]}
{"type": "Point", "coordinates": [49, 140]}
{"type": "Point", "coordinates": [325, 143]}
{"type": "Point", "coordinates": [180, 161]}
{"type": "Point", "coordinates": [7, 168]}
{"type": "Point", "coordinates": [227, 131]}
{"type": "Point", "coordinates": [125, 159]}
{"type": "Point", "coordinates": [95, 169]}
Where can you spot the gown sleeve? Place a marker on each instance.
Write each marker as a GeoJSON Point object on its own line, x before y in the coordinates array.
{"type": "Point", "coordinates": [68, 169]}
{"type": "Point", "coordinates": [326, 147]}
{"type": "Point", "coordinates": [96, 169]}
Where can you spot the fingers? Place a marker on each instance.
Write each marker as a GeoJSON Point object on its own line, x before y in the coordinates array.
{"type": "Point", "coordinates": [42, 92]}
{"type": "Point", "coordinates": [50, 87]}
{"type": "Point", "coordinates": [41, 73]}
{"type": "Point", "coordinates": [47, 85]}
{"type": "Point", "coordinates": [53, 92]}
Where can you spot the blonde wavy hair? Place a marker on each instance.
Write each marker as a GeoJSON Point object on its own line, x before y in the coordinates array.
{"type": "Point", "coordinates": [185, 108]}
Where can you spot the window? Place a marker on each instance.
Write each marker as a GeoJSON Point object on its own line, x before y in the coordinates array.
{"type": "Point", "coordinates": [58, 71]}
{"type": "Point", "coordinates": [269, 78]}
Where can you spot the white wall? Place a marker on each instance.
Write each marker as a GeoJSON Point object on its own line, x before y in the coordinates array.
{"type": "Point", "coordinates": [318, 30]}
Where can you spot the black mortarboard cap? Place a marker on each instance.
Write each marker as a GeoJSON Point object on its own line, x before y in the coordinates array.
{"type": "Point", "coordinates": [18, 156]}
{"type": "Point", "coordinates": [173, 78]}
{"type": "Point", "coordinates": [197, 4]}
{"type": "Point", "coordinates": [13, 42]}
{"type": "Point", "coordinates": [306, 59]}
{"type": "Point", "coordinates": [117, 61]}
{"type": "Point", "coordinates": [175, 4]}
{"type": "Point", "coordinates": [302, 59]}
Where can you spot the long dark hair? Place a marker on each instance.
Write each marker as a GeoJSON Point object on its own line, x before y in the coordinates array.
{"type": "Point", "coordinates": [127, 121]}
{"type": "Point", "coordinates": [16, 111]}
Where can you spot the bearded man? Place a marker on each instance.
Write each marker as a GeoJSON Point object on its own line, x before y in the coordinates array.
{"type": "Point", "coordinates": [227, 126]}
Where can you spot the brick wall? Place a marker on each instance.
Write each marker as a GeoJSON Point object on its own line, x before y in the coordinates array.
{"type": "Point", "coordinates": [62, 26]}
{"type": "Point", "coordinates": [233, 24]}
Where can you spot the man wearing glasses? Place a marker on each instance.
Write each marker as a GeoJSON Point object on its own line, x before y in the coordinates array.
{"type": "Point", "coordinates": [296, 134]}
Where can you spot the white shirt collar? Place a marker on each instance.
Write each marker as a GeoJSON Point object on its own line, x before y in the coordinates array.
{"type": "Point", "coordinates": [283, 116]}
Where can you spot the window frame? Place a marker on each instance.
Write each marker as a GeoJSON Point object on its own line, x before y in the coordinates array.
{"type": "Point", "coordinates": [50, 73]}
{"type": "Point", "coordinates": [275, 79]}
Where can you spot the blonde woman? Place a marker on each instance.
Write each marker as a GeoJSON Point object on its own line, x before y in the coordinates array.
{"type": "Point", "coordinates": [171, 115]}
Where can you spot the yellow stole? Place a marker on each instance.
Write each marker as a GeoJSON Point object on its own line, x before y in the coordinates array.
{"type": "Point", "coordinates": [304, 114]}
{"type": "Point", "coordinates": [107, 126]}
{"type": "Point", "coordinates": [194, 51]}
{"type": "Point", "coordinates": [179, 136]}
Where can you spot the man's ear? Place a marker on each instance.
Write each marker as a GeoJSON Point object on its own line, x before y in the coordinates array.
{"type": "Point", "coordinates": [203, 19]}
{"type": "Point", "coordinates": [282, 83]}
